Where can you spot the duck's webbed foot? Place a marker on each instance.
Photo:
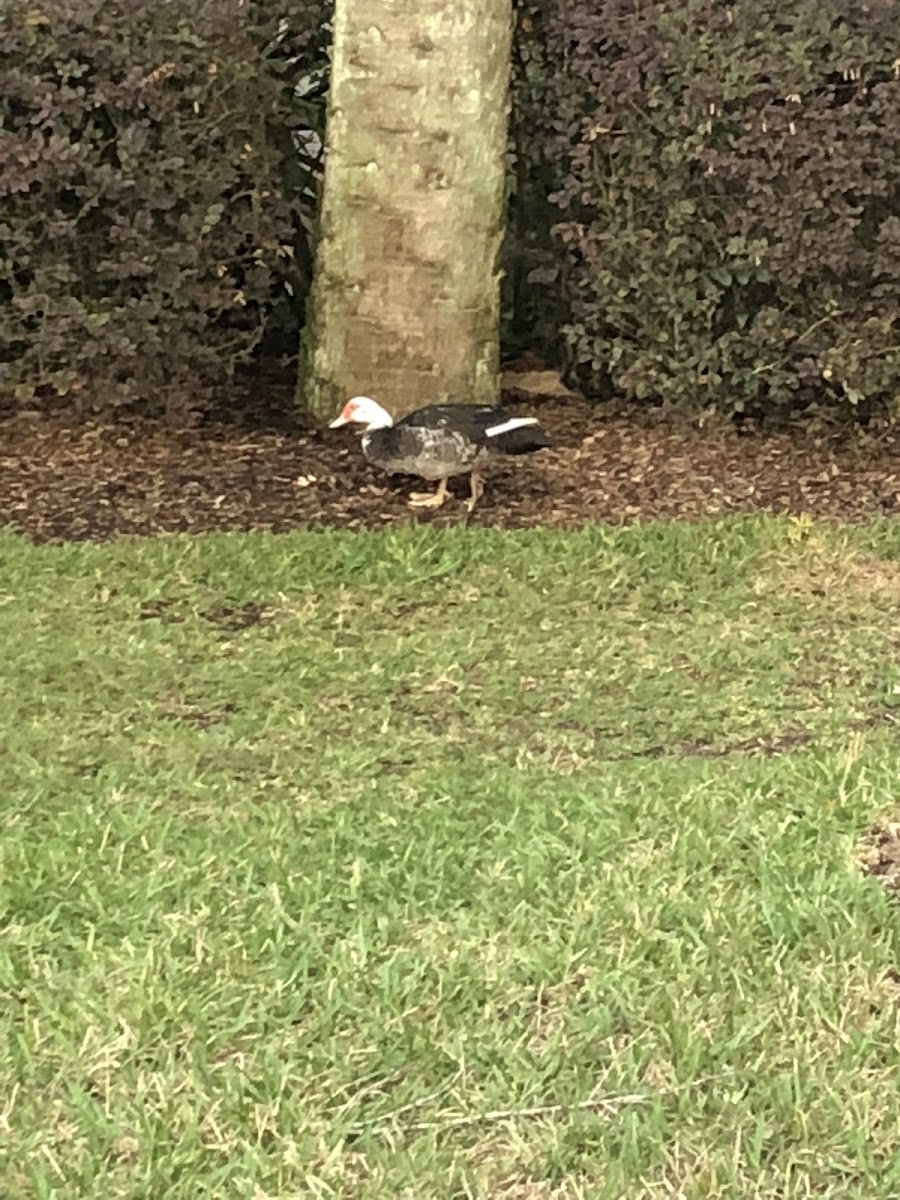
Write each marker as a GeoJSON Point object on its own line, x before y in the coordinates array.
{"type": "Point", "coordinates": [430, 499]}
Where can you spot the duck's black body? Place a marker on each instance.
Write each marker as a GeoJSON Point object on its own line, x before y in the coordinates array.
{"type": "Point", "coordinates": [448, 439]}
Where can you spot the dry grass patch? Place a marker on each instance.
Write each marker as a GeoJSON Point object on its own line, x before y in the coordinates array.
{"type": "Point", "coordinates": [809, 564]}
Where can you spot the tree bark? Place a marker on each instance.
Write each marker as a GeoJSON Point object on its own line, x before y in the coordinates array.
{"type": "Point", "coordinates": [405, 302]}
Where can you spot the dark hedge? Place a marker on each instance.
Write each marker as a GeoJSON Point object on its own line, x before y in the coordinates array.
{"type": "Point", "coordinates": [728, 177]}
{"type": "Point", "coordinates": [145, 232]}
{"type": "Point", "coordinates": [705, 197]}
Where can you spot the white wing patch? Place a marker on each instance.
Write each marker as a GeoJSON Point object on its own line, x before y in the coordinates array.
{"type": "Point", "coordinates": [508, 426]}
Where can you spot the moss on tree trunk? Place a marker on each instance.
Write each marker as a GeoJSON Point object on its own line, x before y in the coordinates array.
{"type": "Point", "coordinates": [405, 302]}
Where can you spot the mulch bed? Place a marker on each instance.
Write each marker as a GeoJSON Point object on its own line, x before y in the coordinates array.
{"type": "Point", "coordinates": [271, 470]}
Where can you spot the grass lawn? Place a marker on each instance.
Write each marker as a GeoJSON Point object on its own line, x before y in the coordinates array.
{"type": "Point", "coordinates": [467, 864]}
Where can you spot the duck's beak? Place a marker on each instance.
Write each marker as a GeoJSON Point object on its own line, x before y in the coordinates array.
{"type": "Point", "coordinates": [338, 421]}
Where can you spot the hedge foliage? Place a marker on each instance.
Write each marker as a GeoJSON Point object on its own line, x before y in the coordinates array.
{"type": "Point", "coordinates": [705, 196]}
{"type": "Point", "coordinates": [145, 232]}
{"type": "Point", "coordinates": [728, 180]}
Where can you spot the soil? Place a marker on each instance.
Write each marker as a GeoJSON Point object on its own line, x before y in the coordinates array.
{"type": "Point", "coordinates": [880, 854]}
{"type": "Point", "coordinates": [256, 465]}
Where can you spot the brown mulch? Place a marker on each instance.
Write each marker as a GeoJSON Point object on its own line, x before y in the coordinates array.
{"type": "Point", "coordinates": [271, 470]}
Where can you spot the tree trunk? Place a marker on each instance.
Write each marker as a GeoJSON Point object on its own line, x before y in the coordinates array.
{"type": "Point", "coordinates": [405, 303]}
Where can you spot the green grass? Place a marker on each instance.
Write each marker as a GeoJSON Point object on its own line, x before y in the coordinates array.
{"type": "Point", "coordinates": [450, 865]}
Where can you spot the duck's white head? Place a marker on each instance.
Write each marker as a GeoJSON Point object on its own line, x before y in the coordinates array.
{"type": "Point", "coordinates": [362, 410]}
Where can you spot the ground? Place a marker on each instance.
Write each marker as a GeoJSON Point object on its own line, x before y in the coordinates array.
{"type": "Point", "coordinates": [446, 861]}
{"type": "Point", "coordinates": [263, 467]}
{"type": "Point", "coordinates": [452, 864]}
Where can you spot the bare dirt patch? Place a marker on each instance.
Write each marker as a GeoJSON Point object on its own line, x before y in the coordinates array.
{"type": "Point", "coordinates": [880, 854]}
{"type": "Point", "coordinates": [237, 618]}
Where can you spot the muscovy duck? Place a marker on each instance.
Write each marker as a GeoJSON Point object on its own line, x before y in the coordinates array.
{"type": "Point", "coordinates": [439, 441]}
